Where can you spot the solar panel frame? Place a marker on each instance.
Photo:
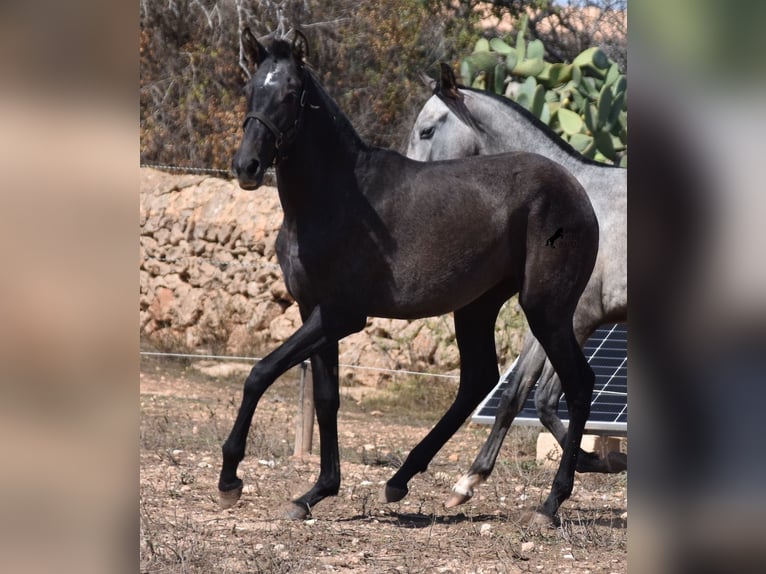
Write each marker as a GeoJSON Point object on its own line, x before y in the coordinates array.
{"type": "Point", "coordinates": [607, 354]}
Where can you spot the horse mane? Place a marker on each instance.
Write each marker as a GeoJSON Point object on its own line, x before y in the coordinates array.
{"type": "Point", "coordinates": [535, 121]}
{"type": "Point", "coordinates": [341, 120]}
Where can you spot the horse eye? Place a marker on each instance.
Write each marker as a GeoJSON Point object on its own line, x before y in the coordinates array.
{"type": "Point", "coordinates": [427, 133]}
{"type": "Point", "coordinates": [290, 97]}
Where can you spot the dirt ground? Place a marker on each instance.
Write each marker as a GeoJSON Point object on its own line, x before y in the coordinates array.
{"type": "Point", "coordinates": [186, 415]}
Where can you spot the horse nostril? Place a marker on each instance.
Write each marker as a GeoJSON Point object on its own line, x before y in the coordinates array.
{"type": "Point", "coordinates": [252, 167]}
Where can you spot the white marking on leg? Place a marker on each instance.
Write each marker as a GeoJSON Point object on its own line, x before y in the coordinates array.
{"type": "Point", "coordinates": [466, 484]}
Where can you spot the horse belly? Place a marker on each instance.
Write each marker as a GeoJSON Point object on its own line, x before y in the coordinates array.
{"type": "Point", "coordinates": [437, 289]}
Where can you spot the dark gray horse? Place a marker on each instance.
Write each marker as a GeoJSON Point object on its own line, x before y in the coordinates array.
{"type": "Point", "coordinates": [459, 122]}
{"type": "Point", "coordinates": [368, 232]}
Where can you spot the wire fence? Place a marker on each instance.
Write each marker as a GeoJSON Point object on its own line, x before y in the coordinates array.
{"type": "Point", "coordinates": [257, 359]}
{"type": "Point", "coordinates": [187, 169]}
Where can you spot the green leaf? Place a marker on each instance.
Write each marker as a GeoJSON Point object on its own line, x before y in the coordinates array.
{"type": "Point", "coordinates": [591, 118]}
{"type": "Point", "coordinates": [585, 58]}
{"type": "Point", "coordinates": [480, 82]}
{"type": "Point", "coordinates": [604, 144]}
{"type": "Point", "coordinates": [604, 105]}
{"type": "Point", "coordinates": [499, 83]}
{"type": "Point", "coordinates": [529, 67]}
{"type": "Point", "coordinates": [569, 121]}
{"type": "Point", "coordinates": [467, 71]}
{"type": "Point", "coordinates": [521, 45]}
{"type": "Point", "coordinates": [545, 113]}
{"type": "Point", "coordinates": [482, 45]}
{"type": "Point", "coordinates": [600, 59]}
{"type": "Point", "coordinates": [588, 88]}
{"type": "Point", "coordinates": [538, 101]}
{"type": "Point", "coordinates": [500, 46]}
{"type": "Point", "coordinates": [483, 61]}
{"type": "Point", "coordinates": [620, 86]}
{"type": "Point", "coordinates": [580, 141]}
{"type": "Point", "coordinates": [624, 161]}
{"type": "Point", "coordinates": [555, 74]}
{"type": "Point", "coordinates": [511, 59]}
{"type": "Point", "coordinates": [535, 49]}
{"type": "Point", "coordinates": [576, 74]}
{"type": "Point", "coordinates": [612, 75]}
{"type": "Point", "coordinates": [614, 115]}
{"type": "Point", "coordinates": [578, 101]}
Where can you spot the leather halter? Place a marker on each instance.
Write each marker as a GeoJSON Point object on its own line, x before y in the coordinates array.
{"type": "Point", "coordinates": [283, 138]}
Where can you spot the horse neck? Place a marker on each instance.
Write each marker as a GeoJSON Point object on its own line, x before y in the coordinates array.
{"type": "Point", "coordinates": [508, 129]}
{"type": "Point", "coordinates": [326, 151]}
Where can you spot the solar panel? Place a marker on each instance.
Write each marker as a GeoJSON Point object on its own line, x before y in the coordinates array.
{"type": "Point", "coordinates": [607, 354]}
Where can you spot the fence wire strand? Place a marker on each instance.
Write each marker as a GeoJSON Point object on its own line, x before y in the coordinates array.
{"type": "Point", "coordinates": [256, 359]}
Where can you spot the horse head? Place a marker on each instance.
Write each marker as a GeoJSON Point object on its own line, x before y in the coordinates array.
{"type": "Point", "coordinates": [275, 100]}
{"type": "Point", "coordinates": [444, 112]}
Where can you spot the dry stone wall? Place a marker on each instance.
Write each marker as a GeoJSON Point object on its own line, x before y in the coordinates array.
{"type": "Point", "coordinates": [209, 280]}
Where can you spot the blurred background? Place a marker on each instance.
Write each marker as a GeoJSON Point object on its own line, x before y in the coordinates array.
{"type": "Point", "coordinates": [79, 112]}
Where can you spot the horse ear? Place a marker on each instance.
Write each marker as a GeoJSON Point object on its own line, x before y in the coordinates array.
{"type": "Point", "coordinates": [254, 50]}
{"type": "Point", "coordinates": [300, 46]}
{"type": "Point", "coordinates": [448, 82]}
{"type": "Point", "coordinates": [429, 82]}
{"type": "Point", "coordinates": [447, 91]}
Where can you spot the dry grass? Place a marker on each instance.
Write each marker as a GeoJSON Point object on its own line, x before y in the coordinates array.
{"type": "Point", "coordinates": [186, 416]}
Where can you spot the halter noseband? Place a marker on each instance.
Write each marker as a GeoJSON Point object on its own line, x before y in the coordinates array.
{"type": "Point", "coordinates": [283, 138]}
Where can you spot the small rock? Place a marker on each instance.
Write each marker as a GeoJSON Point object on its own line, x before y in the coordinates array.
{"type": "Point", "coordinates": [485, 530]}
{"type": "Point", "coordinates": [527, 546]}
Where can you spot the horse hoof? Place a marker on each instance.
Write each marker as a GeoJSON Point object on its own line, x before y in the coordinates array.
{"type": "Point", "coordinates": [532, 517]}
{"type": "Point", "coordinates": [617, 461]}
{"type": "Point", "coordinates": [393, 493]}
{"type": "Point", "coordinates": [456, 499]}
{"type": "Point", "coordinates": [294, 511]}
{"type": "Point", "coordinates": [228, 498]}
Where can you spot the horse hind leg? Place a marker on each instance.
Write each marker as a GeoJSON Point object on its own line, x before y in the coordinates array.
{"type": "Point", "coordinates": [547, 397]}
{"type": "Point", "coordinates": [474, 331]}
{"type": "Point", "coordinates": [554, 280]}
{"type": "Point", "coordinates": [520, 382]}
{"type": "Point", "coordinates": [587, 317]}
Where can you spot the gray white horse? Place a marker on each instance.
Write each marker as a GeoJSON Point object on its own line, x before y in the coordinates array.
{"type": "Point", "coordinates": [460, 122]}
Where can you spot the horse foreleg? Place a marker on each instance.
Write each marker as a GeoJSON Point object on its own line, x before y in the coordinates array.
{"type": "Point", "coordinates": [315, 333]}
{"type": "Point", "coordinates": [474, 331]}
{"type": "Point", "coordinates": [324, 369]}
{"type": "Point", "coordinates": [520, 381]}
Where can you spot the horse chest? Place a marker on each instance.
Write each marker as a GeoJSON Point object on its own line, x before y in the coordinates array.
{"type": "Point", "coordinates": [308, 262]}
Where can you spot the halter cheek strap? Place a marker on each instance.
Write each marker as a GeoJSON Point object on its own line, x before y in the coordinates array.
{"type": "Point", "coordinates": [283, 138]}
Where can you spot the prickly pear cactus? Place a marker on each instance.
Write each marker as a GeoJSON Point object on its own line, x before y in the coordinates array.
{"type": "Point", "coordinates": [584, 101]}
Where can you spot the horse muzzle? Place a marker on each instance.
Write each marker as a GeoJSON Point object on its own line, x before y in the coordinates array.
{"type": "Point", "coordinates": [249, 173]}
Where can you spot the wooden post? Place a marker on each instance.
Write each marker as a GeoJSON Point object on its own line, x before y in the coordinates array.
{"type": "Point", "coordinates": [304, 429]}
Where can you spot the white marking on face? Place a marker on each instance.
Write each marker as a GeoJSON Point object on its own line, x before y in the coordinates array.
{"type": "Point", "coordinates": [269, 78]}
